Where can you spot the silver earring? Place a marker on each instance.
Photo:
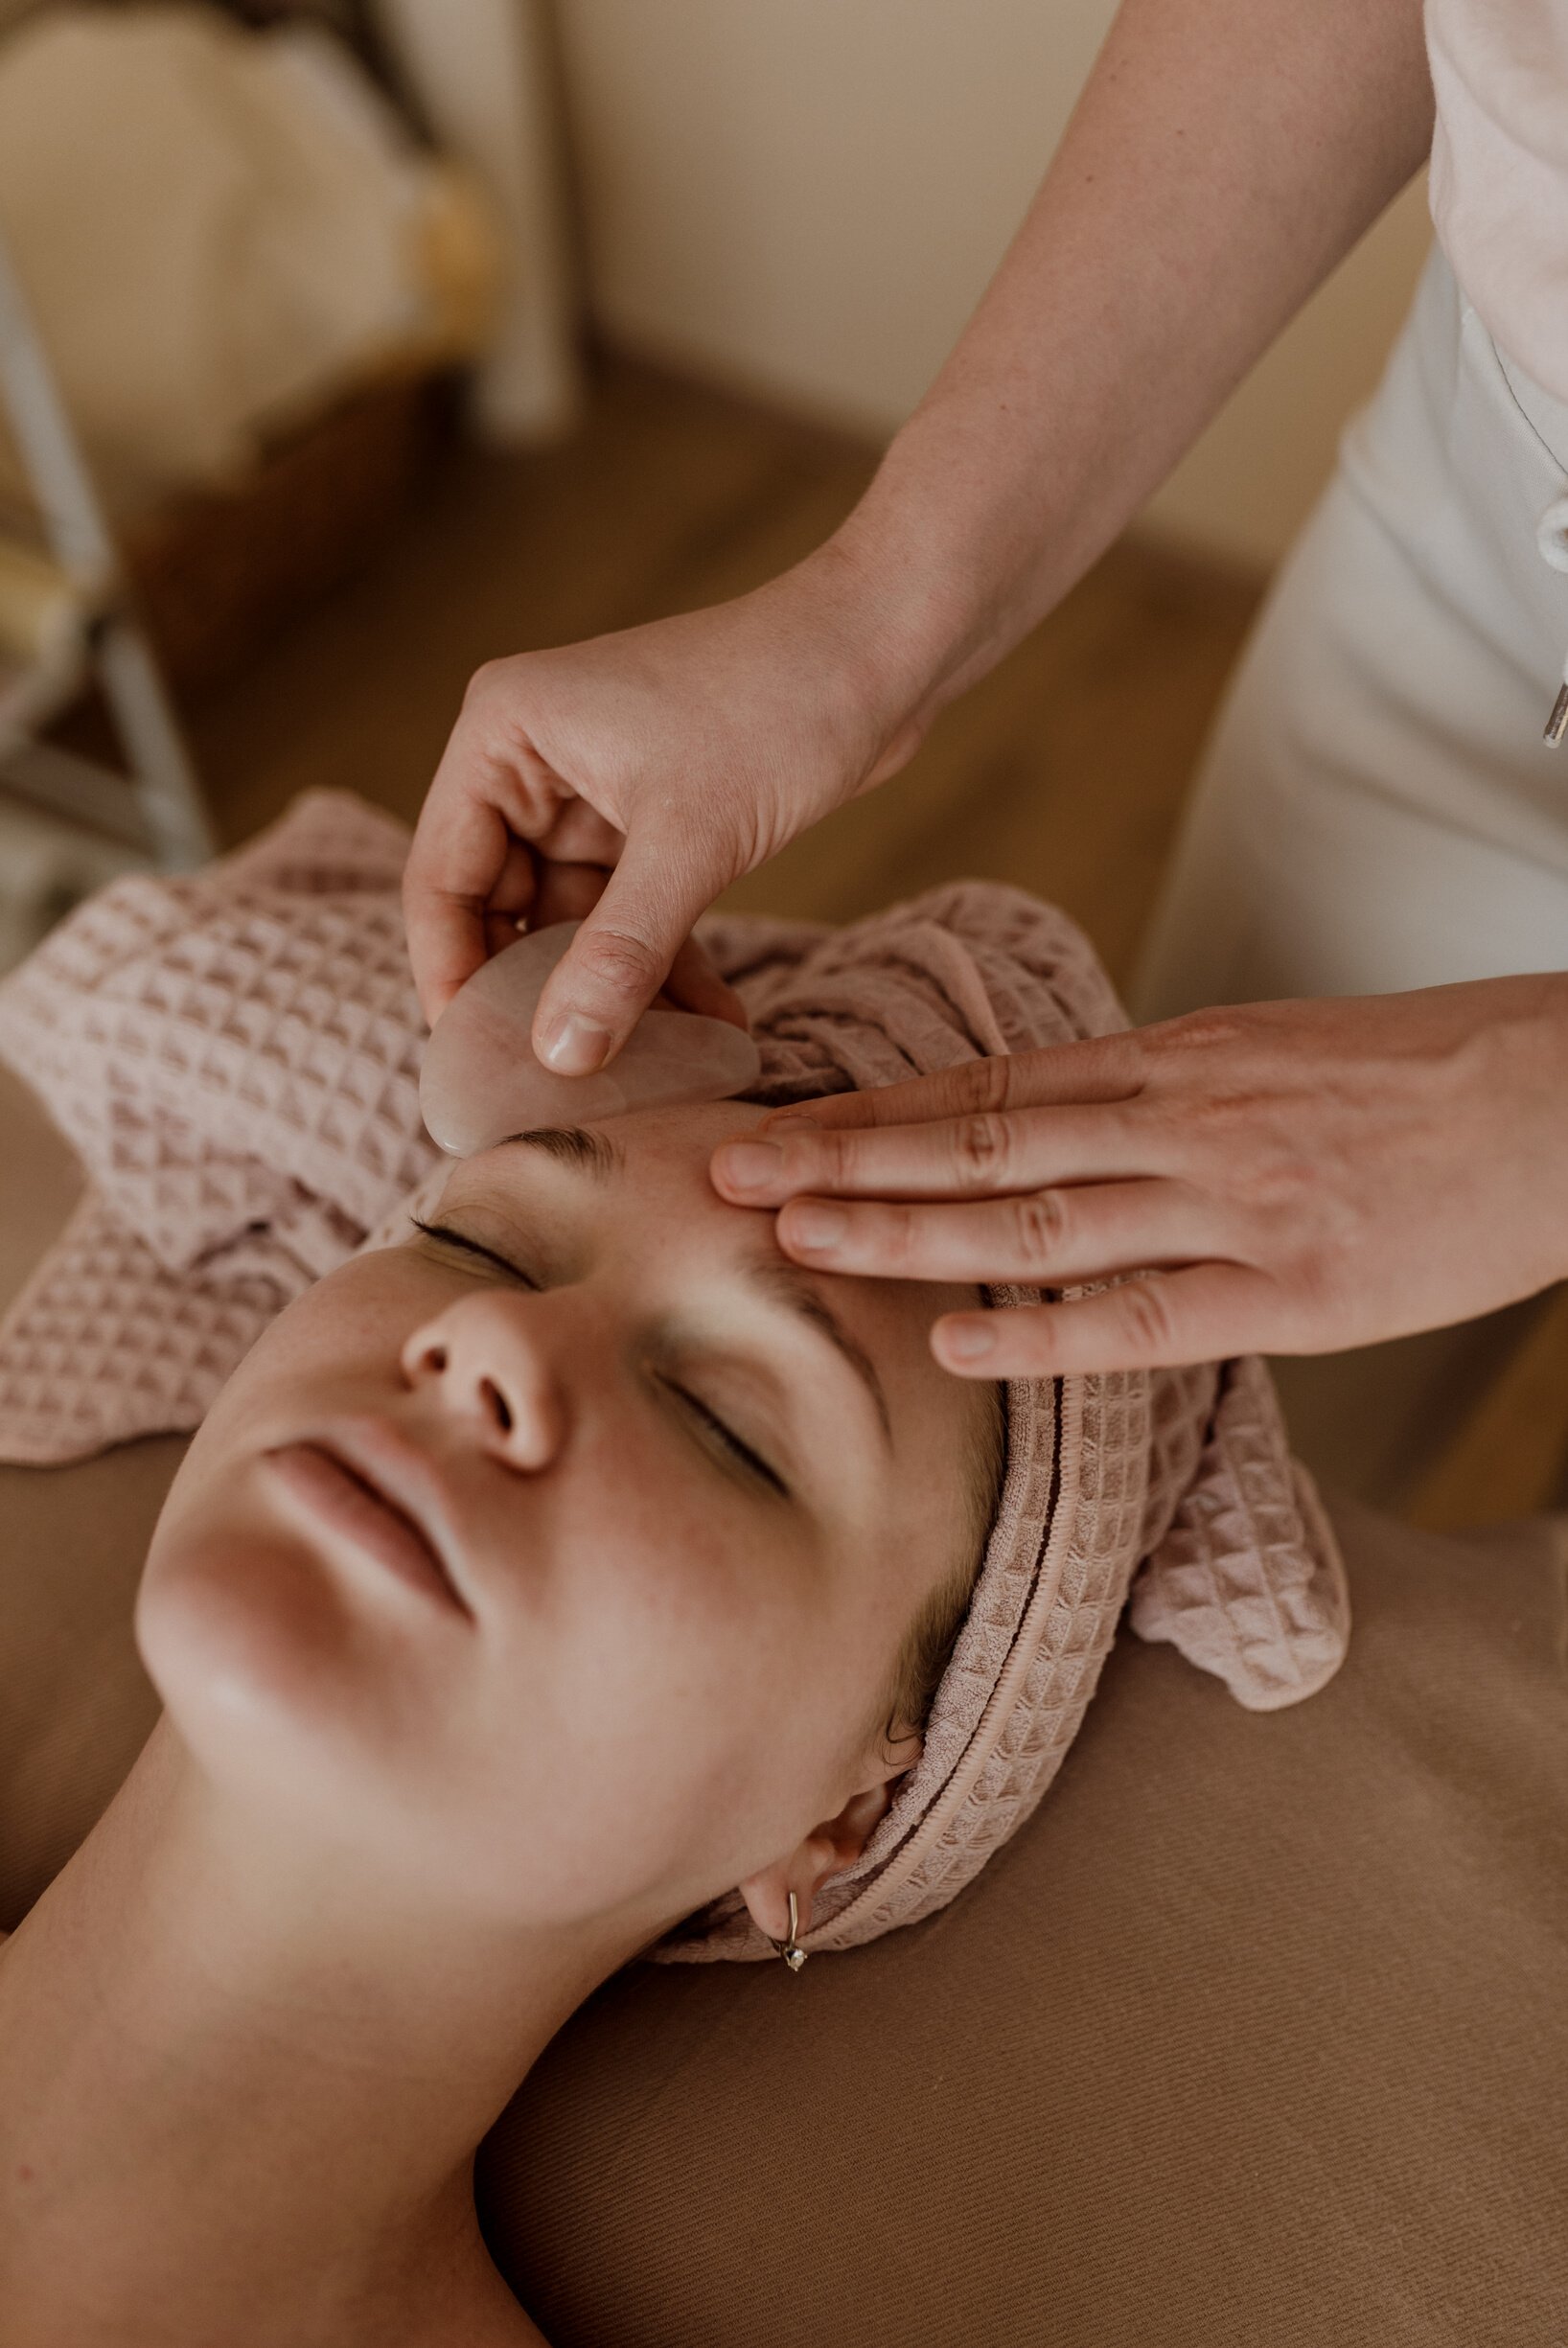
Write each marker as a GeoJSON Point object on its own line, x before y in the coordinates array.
{"type": "Point", "coordinates": [793, 1954]}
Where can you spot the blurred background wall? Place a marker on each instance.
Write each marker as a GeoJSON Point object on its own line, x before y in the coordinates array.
{"type": "Point", "coordinates": [804, 202]}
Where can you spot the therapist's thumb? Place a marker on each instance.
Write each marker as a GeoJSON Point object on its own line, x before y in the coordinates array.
{"type": "Point", "coordinates": [620, 957]}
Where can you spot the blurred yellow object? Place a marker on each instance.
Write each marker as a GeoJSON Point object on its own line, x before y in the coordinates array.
{"type": "Point", "coordinates": [221, 232]}
{"type": "Point", "coordinates": [41, 612]}
{"type": "Point", "coordinates": [457, 265]}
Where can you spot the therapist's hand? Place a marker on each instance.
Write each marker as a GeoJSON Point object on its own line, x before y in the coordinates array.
{"type": "Point", "coordinates": [674, 757]}
{"type": "Point", "coordinates": [1302, 1176]}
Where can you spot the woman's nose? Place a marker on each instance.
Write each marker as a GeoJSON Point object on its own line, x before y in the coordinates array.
{"type": "Point", "coordinates": [491, 1363]}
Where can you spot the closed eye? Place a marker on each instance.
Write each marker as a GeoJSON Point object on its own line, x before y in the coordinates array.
{"type": "Point", "coordinates": [443, 1233]}
{"type": "Point", "coordinates": [751, 1460]}
{"type": "Point", "coordinates": [713, 1425]}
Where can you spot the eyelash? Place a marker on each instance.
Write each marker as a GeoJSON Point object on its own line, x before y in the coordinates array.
{"type": "Point", "coordinates": [741, 1452]}
{"type": "Point", "coordinates": [472, 1246]}
{"type": "Point", "coordinates": [751, 1460]}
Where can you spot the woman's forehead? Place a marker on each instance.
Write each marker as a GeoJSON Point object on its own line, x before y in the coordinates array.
{"type": "Point", "coordinates": [644, 1143]}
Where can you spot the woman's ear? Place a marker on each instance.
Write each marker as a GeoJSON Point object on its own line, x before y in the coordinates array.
{"type": "Point", "coordinates": [828, 1851]}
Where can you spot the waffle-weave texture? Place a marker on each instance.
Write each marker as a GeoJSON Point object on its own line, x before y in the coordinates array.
{"type": "Point", "coordinates": [235, 1057]}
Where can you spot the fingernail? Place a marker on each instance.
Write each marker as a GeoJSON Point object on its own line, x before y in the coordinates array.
{"type": "Point", "coordinates": [576, 1047]}
{"type": "Point", "coordinates": [967, 1341]}
{"type": "Point", "coordinates": [750, 1165]}
{"type": "Point", "coordinates": [818, 1227]}
{"type": "Point", "coordinates": [787, 1120]}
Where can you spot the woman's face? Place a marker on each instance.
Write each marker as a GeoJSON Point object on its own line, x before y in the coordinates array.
{"type": "Point", "coordinates": [561, 1553]}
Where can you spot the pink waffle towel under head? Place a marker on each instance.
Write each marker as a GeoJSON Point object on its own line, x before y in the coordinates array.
{"type": "Point", "coordinates": [235, 1057]}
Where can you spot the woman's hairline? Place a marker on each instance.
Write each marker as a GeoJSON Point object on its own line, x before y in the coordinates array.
{"type": "Point", "coordinates": [926, 1645]}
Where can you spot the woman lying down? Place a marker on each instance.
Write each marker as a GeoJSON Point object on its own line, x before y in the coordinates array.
{"type": "Point", "coordinates": [557, 1576]}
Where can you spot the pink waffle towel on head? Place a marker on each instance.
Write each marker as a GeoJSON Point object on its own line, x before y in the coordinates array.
{"type": "Point", "coordinates": [235, 1057]}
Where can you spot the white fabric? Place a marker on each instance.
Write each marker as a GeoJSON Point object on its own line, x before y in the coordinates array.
{"type": "Point", "coordinates": [1377, 809]}
{"type": "Point", "coordinates": [1499, 184]}
{"type": "Point", "coordinates": [215, 228]}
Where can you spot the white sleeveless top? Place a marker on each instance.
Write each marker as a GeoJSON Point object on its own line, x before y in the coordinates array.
{"type": "Point", "coordinates": [1499, 187]}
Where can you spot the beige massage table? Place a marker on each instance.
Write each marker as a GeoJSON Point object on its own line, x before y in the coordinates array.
{"type": "Point", "coordinates": [1256, 2037]}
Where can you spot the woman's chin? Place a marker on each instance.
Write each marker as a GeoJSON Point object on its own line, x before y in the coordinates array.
{"type": "Point", "coordinates": [255, 1652]}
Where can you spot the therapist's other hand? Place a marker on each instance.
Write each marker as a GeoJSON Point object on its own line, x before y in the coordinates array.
{"type": "Point", "coordinates": [1301, 1176]}
{"type": "Point", "coordinates": [676, 756]}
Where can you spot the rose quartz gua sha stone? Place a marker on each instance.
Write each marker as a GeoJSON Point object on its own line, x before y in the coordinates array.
{"type": "Point", "coordinates": [481, 1082]}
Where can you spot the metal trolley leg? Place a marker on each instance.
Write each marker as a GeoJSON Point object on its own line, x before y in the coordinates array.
{"type": "Point", "coordinates": [168, 819]}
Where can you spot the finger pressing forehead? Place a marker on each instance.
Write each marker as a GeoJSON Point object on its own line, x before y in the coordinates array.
{"type": "Point", "coordinates": [986, 1153]}
{"type": "Point", "coordinates": [1159, 1320]}
{"type": "Point", "coordinates": [1037, 1238]}
{"type": "Point", "coordinates": [1099, 1067]}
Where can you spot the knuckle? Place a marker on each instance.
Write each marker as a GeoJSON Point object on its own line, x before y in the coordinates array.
{"type": "Point", "coordinates": [1216, 1029]}
{"type": "Point", "coordinates": [993, 1082]}
{"type": "Point", "coordinates": [981, 1087]}
{"type": "Point", "coordinates": [627, 965]}
{"type": "Point", "coordinates": [980, 1148]}
{"type": "Point", "coordinates": [830, 1153]}
{"type": "Point", "coordinates": [1040, 1224]}
{"type": "Point", "coordinates": [897, 1235]}
{"type": "Point", "coordinates": [1146, 1315]}
{"type": "Point", "coordinates": [820, 1158]}
{"type": "Point", "coordinates": [1278, 1180]}
{"type": "Point", "coordinates": [486, 680]}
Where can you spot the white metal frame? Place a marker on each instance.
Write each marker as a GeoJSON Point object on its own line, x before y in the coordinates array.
{"type": "Point", "coordinates": [155, 808]}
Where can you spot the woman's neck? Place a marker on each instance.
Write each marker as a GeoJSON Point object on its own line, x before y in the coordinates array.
{"type": "Point", "coordinates": [241, 2091]}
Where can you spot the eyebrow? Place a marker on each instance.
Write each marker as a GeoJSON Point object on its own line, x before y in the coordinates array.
{"type": "Point", "coordinates": [574, 1145]}
{"type": "Point", "coordinates": [789, 1284]}
{"type": "Point", "coordinates": [785, 1282]}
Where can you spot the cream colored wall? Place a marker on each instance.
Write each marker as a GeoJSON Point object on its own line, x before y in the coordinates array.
{"type": "Point", "coordinates": [804, 197]}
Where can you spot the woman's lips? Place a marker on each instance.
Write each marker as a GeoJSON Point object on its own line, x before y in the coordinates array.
{"type": "Point", "coordinates": [344, 1501]}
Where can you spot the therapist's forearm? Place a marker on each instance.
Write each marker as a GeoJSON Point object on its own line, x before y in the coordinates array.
{"type": "Point", "coordinates": [1223, 155]}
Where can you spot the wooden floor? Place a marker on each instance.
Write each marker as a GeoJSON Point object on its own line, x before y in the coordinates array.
{"type": "Point", "coordinates": [1063, 771]}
